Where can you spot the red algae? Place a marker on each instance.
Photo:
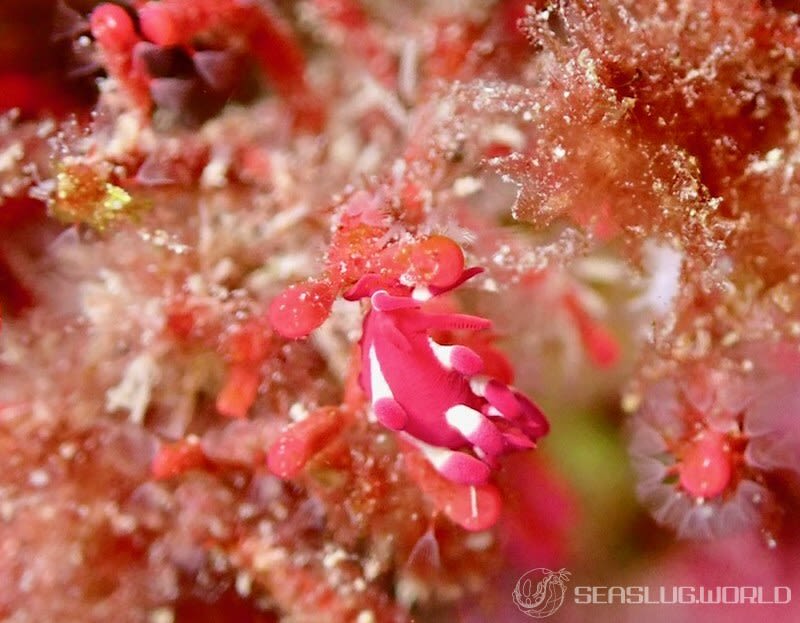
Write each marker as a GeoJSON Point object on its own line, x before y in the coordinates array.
{"type": "Point", "coordinates": [268, 271]}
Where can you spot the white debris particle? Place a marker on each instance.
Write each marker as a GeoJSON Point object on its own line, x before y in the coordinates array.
{"type": "Point", "coordinates": [68, 450]}
{"type": "Point", "coordinates": [508, 135]}
{"type": "Point", "coordinates": [10, 156]}
{"type": "Point", "coordinates": [559, 152]}
{"type": "Point", "coordinates": [215, 173]}
{"type": "Point", "coordinates": [124, 524]}
{"type": "Point", "coordinates": [333, 558]}
{"type": "Point", "coordinates": [298, 412]}
{"type": "Point", "coordinates": [7, 511]}
{"type": "Point", "coordinates": [38, 478]}
{"type": "Point", "coordinates": [285, 220]}
{"type": "Point", "coordinates": [161, 615]}
{"type": "Point", "coordinates": [244, 583]}
{"type": "Point", "coordinates": [663, 263]}
{"type": "Point", "coordinates": [26, 581]}
{"type": "Point", "coordinates": [134, 390]}
{"type": "Point", "coordinates": [263, 560]}
{"type": "Point", "coordinates": [407, 70]}
{"type": "Point", "coordinates": [372, 568]}
{"type": "Point", "coordinates": [771, 161]}
{"type": "Point", "coordinates": [100, 300]}
{"type": "Point", "coordinates": [126, 133]}
{"type": "Point", "coordinates": [223, 270]}
{"type": "Point", "coordinates": [490, 285]}
{"type": "Point", "coordinates": [631, 402]}
{"type": "Point", "coordinates": [466, 186]}
{"type": "Point", "coordinates": [410, 590]}
{"type": "Point", "coordinates": [366, 616]}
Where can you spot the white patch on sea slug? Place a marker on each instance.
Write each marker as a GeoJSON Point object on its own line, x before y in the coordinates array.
{"type": "Point", "coordinates": [379, 388]}
{"type": "Point", "coordinates": [442, 353]}
{"type": "Point", "coordinates": [465, 420]}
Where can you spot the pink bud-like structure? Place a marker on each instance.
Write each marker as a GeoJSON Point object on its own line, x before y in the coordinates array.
{"type": "Point", "coordinates": [435, 395]}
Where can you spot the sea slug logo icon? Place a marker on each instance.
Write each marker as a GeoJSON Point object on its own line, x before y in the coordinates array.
{"type": "Point", "coordinates": [540, 592]}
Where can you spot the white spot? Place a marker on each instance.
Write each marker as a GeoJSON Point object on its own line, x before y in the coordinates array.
{"type": "Point", "coordinates": [473, 500]}
{"type": "Point", "coordinates": [508, 135]}
{"type": "Point", "coordinates": [478, 384]}
{"type": "Point", "coordinates": [39, 478]}
{"type": "Point", "coordinates": [464, 419]}
{"type": "Point", "coordinates": [442, 353]}
{"type": "Point", "coordinates": [244, 583]}
{"type": "Point", "coordinates": [378, 385]}
{"type": "Point", "coordinates": [421, 293]}
{"type": "Point", "coordinates": [10, 156]}
{"type": "Point", "coordinates": [298, 412]}
{"type": "Point", "coordinates": [436, 456]}
{"type": "Point", "coordinates": [161, 615]}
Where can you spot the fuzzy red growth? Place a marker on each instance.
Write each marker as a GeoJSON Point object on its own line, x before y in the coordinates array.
{"type": "Point", "coordinates": [474, 508]}
{"type": "Point", "coordinates": [302, 440]}
{"type": "Point", "coordinates": [176, 458]}
{"type": "Point", "coordinates": [705, 468]}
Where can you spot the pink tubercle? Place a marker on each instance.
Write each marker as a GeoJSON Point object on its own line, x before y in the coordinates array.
{"type": "Point", "coordinates": [300, 309]}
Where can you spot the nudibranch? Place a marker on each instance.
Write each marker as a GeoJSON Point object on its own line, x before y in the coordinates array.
{"type": "Point", "coordinates": [435, 395]}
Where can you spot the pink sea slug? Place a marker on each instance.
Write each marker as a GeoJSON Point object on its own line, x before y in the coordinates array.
{"type": "Point", "coordinates": [436, 395]}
